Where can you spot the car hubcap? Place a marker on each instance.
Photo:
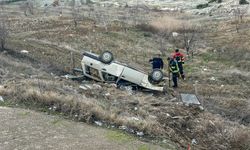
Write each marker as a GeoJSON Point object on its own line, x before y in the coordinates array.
{"type": "Point", "coordinates": [106, 57]}
{"type": "Point", "coordinates": [157, 75]}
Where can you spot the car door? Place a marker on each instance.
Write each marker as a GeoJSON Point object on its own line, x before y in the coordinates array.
{"type": "Point", "coordinates": [132, 75]}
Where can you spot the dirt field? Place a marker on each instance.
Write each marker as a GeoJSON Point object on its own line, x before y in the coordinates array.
{"type": "Point", "coordinates": [220, 69]}
{"type": "Point", "coordinates": [26, 129]}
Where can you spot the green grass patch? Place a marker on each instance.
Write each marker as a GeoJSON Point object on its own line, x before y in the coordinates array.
{"type": "Point", "coordinates": [143, 147]}
{"type": "Point", "coordinates": [56, 121]}
{"type": "Point", "coordinates": [119, 136]}
{"type": "Point", "coordinates": [206, 57]}
{"type": "Point", "coordinates": [6, 104]}
{"type": "Point", "coordinates": [24, 114]}
{"type": "Point", "coordinates": [189, 68]}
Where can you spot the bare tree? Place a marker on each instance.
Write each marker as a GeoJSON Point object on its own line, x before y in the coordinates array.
{"type": "Point", "coordinates": [75, 12]}
{"type": "Point", "coordinates": [3, 33]}
{"type": "Point", "coordinates": [239, 12]}
{"type": "Point", "coordinates": [163, 36]}
{"type": "Point", "coordinates": [189, 34]}
{"type": "Point", "coordinates": [75, 15]}
{"type": "Point", "coordinates": [27, 7]}
{"type": "Point", "coordinates": [164, 27]}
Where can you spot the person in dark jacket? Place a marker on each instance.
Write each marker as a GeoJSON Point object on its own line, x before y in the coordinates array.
{"type": "Point", "coordinates": [157, 62]}
{"type": "Point", "coordinates": [174, 69]}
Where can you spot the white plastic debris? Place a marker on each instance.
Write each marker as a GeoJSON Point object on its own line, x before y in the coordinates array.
{"type": "Point", "coordinates": [129, 89]}
{"type": "Point", "coordinates": [135, 108]}
{"type": "Point", "coordinates": [99, 123]}
{"type": "Point", "coordinates": [113, 85]}
{"type": "Point", "coordinates": [205, 69]}
{"type": "Point", "coordinates": [212, 78]}
{"type": "Point", "coordinates": [107, 94]}
{"type": "Point", "coordinates": [194, 141]}
{"type": "Point", "coordinates": [96, 86]}
{"type": "Point", "coordinates": [164, 141]}
{"type": "Point", "coordinates": [66, 76]}
{"type": "Point", "coordinates": [222, 86]}
{"type": "Point", "coordinates": [139, 133]}
{"type": "Point", "coordinates": [83, 87]}
{"type": "Point", "coordinates": [24, 51]}
{"type": "Point", "coordinates": [123, 127]}
{"type": "Point", "coordinates": [135, 118]}
{"type": "Point", "coordinates": [1, 99]}
{"type": "Point", "coordinates": [175, 34]}
{"type": "Point", "coordinates": [201, 108]}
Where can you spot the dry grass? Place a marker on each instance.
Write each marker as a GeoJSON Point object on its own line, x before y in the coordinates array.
{"type": "Point", "coordinates": [157, 116]}
{"type": "Point", "coordinates": [166, 23]}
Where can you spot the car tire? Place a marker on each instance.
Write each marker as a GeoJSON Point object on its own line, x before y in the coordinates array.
{"type": "Point", "coordinates": [156, 76]}
{"type": "Point", "coordinates": [106, 57]}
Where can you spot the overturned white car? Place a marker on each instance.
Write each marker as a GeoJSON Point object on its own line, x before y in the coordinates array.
{"type": "Point", "coordinates": [104, 68]}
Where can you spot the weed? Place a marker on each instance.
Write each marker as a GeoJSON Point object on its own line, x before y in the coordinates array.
{"type": "Point", "coordinates": [56, 121]}
{"type": "Point", "coordinates": [143, 147]}
{"type": "Point", "coordinates": [119, 136]}
{"type": "Point", "coordinates": [23, 114]}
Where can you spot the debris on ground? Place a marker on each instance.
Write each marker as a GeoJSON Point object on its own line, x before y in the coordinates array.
{"type": "Point", "coordinates": [99, 123]}
{"type": "Point", "coordinates": [212, 79]}
{"type": "Point", "coordinates": [139, 133]}
{"type": "Point", "coordinates": [113, 85]}
{"type": "Point", "coordinates": [194, 141]}
{"type": "Point", "coordinates": [123, 127]}
{"type": "Point", "coordinates": [83, 87]}
{"type": "Point", "coordinates": [129, 89]}
{"type": "Point", "coordinates": [107, 94]}
{"type": "Point", "coordinates": [134, 119]}
{"type": "Point", "coordinates": [96, 86]}
{"type": "Point", "coordinates": [24, 51]}
{"type": "Point", "coordinates": [190, 99]}
{"type": "Point", "coordinates": [90, 86]}
{"type": "Point", "coordinates": [1, 99]}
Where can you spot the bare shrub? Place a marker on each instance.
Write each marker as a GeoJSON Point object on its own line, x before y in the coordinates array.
{"type": "Point", "coordinates": [75, 15]}
{"type": "Point", "coordinates": [165, 24]}
{"type": "Point", "coordinates": [4, 33]}
{"type": "Point", "coordinates": [164, 27]}
{"type": "Point", "coordinates": [240, 139]}
{"type": "Point", "coordinates": [239, 13]}
{"type": "Point", "coordinates": [27, 7]}
{"type": "Point", "coordinates": [189, 34]}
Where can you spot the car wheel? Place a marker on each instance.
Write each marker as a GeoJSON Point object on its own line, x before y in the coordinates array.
{"type": "Point", "coordinates": [156, 76]}
{"type": "Point", "coordinates": [106, 57]}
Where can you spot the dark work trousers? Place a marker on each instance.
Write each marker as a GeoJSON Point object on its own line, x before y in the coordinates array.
{"type": "Point", "coordinates": [181, 70]}
{"type": "Point", "coordinates": [175, 79]}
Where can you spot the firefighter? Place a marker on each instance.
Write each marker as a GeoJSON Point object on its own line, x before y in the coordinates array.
{"type": "Point", "coordinates": [157, 62]}
{"type": "Point", "coordinates": [179, 57]}
{"type": "Point", "coordinates": [174, 69]}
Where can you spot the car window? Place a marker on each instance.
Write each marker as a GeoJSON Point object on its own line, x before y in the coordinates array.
{"type": "Point", "coordinates": [92, 72]}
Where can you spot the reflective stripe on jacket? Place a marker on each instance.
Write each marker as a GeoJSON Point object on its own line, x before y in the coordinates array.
{"type": "Point", "coordinates": [173, 66]}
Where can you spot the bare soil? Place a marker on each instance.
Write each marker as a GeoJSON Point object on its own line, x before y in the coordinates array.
{"type": "Point", "coordinates": [26, 129]}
